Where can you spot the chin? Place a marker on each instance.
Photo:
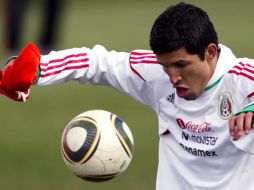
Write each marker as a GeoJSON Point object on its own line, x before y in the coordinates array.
{"type": "Point", "coordinates": [191, 97]}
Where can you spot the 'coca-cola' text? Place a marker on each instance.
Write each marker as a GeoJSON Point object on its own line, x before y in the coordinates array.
{"type": "Point", "coordinates": [194, 127]}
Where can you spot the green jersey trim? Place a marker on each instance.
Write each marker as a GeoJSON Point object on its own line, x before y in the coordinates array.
{"type": "Point", "coordinates": [249, 108]}
{"type": "Point", "coordinates": [214, 84]}
{"type": "Point", "coordinates": [38, 73]}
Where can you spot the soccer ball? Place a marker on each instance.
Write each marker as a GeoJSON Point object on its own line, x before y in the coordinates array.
{"type": "Point", "coordinates": [97, 145]}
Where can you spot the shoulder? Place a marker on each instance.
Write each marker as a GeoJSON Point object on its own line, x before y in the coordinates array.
{"type": "Point", "coordinates": [244, 69]}
{"type": "Point", "coordinates": [144, 64]}
{"type": "Point", "coordinates": [241, 77]}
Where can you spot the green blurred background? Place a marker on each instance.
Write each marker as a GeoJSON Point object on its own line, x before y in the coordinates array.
{"type": "Point", "coordinates": [30, 132]}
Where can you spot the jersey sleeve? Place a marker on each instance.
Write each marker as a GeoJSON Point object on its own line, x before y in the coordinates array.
{"type": "Point", "coordinates": [99, 66]}
{"type": "Point", "coordinates": [242, 82]}
{"type": "Point", "coordinates": [242, 76]}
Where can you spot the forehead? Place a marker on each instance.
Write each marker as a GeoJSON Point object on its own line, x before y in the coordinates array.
{"type": "Point", "coordinates": [176, 56]}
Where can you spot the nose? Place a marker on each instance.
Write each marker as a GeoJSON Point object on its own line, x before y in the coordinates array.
{"type": "Point", "coordinates": [174, 74]}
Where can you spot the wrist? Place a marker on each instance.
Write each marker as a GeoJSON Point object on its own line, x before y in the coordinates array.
{"type": "Point", "coordinates": [38, 73]}
{"type": "Point", "coordinates": [10, 59]}
{"type": "Point", "coordinates": [248, 108]}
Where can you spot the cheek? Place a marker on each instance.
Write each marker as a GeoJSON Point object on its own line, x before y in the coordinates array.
{"type": "Point", "coordinates": [196, 79]}
{"type": "Point", "coordinates": [190, 75]}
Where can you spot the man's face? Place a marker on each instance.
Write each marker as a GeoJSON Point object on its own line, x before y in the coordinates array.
{"type": "Point", "coordinates": [187, 72]}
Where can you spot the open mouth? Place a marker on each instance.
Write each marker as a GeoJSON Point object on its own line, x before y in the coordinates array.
{"type": "Point", "coordinates": [181, 92]}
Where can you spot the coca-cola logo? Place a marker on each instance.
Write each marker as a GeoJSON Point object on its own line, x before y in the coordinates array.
{"type": "Point", "coordinates": [198, 128]}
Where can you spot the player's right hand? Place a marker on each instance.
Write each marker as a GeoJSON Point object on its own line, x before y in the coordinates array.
{"type": "Point", "coordinates": [17, 76]}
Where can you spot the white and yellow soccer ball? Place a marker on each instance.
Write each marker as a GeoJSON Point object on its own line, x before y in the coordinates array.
{"type": "Point", "coordinates": [97, 145]}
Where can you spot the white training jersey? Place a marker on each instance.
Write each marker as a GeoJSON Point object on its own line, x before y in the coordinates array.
{"type": "Point", "coordinates": [196, 151]}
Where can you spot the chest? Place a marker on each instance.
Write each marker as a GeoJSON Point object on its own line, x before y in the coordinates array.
{"type": "Point", "coordinates": [200, 127]}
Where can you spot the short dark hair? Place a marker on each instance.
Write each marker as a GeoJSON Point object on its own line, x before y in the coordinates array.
{"type": "Point", "coordinates": [182, 25]}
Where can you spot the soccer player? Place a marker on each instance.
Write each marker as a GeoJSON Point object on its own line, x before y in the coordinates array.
{"type": "Point", "coordinates": [203, 96]}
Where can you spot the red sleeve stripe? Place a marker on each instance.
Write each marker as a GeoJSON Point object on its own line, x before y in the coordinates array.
{"type": "Point", "coordinates": [65, 69]}
{"type": "Point", "coordinates": [144, 61]}
{"type": "Point", "coordinates": [137, 73]}
{"type": "Point", "coordinates": [250, 95]}
{"type": "Point", "coordinates": [142, 53]}
{"type": "Point", "coordinates": [64, 64]}
{"type": "Point", "coordinates": [246, 67]}
{"type": "Point", "coordinates": [141, 57]}
{"type": "Point", "coordinates": [144, 57]}
{"type": "Point", "coordinates": [70, 62]}
{"type": "Point", "coordinates": [242, 69]}
{"type": "Point", "coordinates": [137, 56]}
{"type": "Point", "coordinates": [242, 74]}
{"type": "Point", "coordinates": [63, 59]}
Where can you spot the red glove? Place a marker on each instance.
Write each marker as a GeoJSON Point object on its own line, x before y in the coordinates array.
{"type": "Point", "coordinates": [20, 74]}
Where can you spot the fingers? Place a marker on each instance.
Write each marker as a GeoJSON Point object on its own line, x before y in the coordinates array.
{"type": "Point", "coordinates": [232, 128]}
{"type": "Point", "coordinates": [248, 122]}
{"type": "Point", "coordinates": [17, 95]}
{"type": "Point", "coordinates": [240, 125]}
{"type": "Point", "coordinates": [23, 96]}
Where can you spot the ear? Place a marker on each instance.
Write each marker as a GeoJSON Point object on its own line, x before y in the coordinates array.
{"type": "Point", "coordinates": [211, 52]}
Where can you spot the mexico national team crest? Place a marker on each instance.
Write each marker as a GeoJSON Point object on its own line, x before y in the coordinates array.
{"type": "Point", "coordinates": [225, 105]}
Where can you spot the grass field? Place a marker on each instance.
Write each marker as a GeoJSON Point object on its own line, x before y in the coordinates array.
{"type": "Point", "coordinates": [30, 133]}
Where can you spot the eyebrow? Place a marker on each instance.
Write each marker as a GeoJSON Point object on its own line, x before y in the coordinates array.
{"type": "Point", "coordinates": [180, 61]}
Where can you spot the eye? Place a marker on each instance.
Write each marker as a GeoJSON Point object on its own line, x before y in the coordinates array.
{"type": "Point", "coordinates": [181, 64]}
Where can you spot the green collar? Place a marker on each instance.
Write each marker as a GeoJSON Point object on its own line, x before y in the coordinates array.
{"type": "Point", "coordinates": [213, 84]}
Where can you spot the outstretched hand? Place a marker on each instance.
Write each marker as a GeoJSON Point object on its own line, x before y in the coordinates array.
{"type": "Point", "coordinates": [18, 75]}
{"type": "Point", "coordinates": [240, 125]}
{"type": "Point", "coordinates": [14, 95]}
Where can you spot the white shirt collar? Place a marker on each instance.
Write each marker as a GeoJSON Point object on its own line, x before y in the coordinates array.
{"type": "Point", "coordinates": [225, 62]}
